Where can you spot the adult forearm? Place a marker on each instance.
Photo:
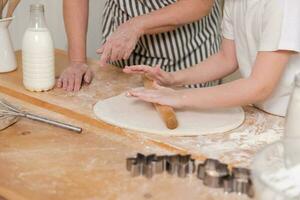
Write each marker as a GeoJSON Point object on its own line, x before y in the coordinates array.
{"type": "Point", "coordinates": [174, 15]}
{"type": "Point", "coordinates": [160, 30]}
{"type": "Point", "coordinates": [76, 22]}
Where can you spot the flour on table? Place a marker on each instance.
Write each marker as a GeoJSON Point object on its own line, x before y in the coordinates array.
{"type": "Point", "coordinates": [141, 116]}
{"type": "Point", "coordinates": [286, 181]}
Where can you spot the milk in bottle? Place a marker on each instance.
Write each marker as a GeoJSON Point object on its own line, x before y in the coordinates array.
{"type": "Point", "coordinates": [38, 53]}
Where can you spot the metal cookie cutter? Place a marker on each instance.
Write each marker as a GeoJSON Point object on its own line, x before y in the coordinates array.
{"type": "Point", "coordinates": [145, 165]}
{"type": "Point", "coordinates": [134, 165]}
{"type": "Point", "coordinates": [213, 173]}
{"type": "Point", "coordinates": [182, 165]}
{"type": "Point", "coordinates": [186, 166]}
{"type": "Point", "coordinates": [239, 182]}
{"type": "Point", "coordinates": [172, 163]}
{"type": "Point", "coordinates": [159, 163]}
{"type": "Point", "coordinates": [148, 166]}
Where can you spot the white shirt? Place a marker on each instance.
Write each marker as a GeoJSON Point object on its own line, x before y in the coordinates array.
{"type": "Point", "coordinates": [265, 25]}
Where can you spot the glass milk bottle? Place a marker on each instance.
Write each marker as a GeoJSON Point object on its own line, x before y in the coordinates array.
{"type": "Point", "coordinates": [38, 53]}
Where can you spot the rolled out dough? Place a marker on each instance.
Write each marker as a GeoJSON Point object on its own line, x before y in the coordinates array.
{"type": "Point", "coordinates": [133, 114]}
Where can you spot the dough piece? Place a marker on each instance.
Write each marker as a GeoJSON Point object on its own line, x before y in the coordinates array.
{"type": "Point", "coordinates": [133, 114]}
{"type": "Point", "coordinates": [6, 121]}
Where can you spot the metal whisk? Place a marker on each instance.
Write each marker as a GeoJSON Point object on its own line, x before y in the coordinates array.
{"type": "Point", "coordinates": [7, 109]}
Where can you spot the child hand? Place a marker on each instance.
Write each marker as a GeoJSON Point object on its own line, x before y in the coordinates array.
{"type": "Point", "coordinates": [160, 95]}
{"type": "Point", "coordinates": [159, 76]}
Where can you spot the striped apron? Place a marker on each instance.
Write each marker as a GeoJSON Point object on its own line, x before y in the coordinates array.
{"type": "Point", "coordinates": [179, 49]}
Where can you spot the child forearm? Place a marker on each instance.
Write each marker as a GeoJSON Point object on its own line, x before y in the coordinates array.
{"type": "Point", "coordinates": [236, 93]}
{"type": "Point", "coordinates": [215, 67]}
{"type": "Point", "coordinates": [265, 76]}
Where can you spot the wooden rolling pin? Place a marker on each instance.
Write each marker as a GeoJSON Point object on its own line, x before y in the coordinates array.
{"type": "Point", "coordinates": [167, 113]}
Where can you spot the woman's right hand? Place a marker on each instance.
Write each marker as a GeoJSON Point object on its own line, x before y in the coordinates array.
{"type": "Point", "coordinates": [74, 76]}
{"type": "Point", "coordinates": [154, 73]}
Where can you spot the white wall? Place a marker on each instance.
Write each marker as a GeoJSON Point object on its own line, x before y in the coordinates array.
{"type": "Point", "coordinates": [56, 25]}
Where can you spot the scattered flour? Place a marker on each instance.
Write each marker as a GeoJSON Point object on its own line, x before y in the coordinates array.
{"type": "Point", "coordinates": [239, 147]}
{"type": "Point", "coordinates": [249, 139]}
{"type": "Point", "coordinates": [286, 181]}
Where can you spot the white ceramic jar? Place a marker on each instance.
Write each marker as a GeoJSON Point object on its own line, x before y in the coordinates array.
{"type": "Point", "coordinates": [38, 53]}
{"type": "Point", "coordinates": [7, 55]}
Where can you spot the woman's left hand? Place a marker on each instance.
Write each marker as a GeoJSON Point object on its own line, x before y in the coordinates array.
{"type": "Point", "coordinates": [121, 43]}
{"type": "Point", "coordinates": [160, 95]}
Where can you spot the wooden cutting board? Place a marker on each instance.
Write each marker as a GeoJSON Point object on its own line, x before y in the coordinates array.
{"type": "Point", "coordinates": [108, 82]}
{"type": "Point", "coordinates": [38, 161]}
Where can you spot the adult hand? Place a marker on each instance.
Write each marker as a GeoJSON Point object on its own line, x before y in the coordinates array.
{"type": "Point", "coordinates": [121, 43]}
{"type": "Point", "coordinates": [160, 95]}
{"type": "Point", "coordinates": [74, 76]}
{"type": "Point", "coordinates": [154, 73]}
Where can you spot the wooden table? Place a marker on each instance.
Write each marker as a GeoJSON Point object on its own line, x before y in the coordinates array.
{"type": "Point", "coordinates": [38, 161]}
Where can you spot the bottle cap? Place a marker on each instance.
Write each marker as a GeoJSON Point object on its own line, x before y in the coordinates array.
{"type": "Point", "coordinates": [35, 7]}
